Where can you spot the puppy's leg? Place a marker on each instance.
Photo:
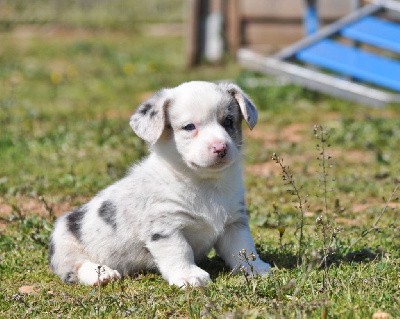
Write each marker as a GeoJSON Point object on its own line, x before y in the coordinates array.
{"type": "Point", "coordinates": [236, 237]}
{"type": "Point", "coordinates": [175, 260]}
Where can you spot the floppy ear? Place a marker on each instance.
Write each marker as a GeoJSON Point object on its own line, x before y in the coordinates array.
{"type": "Point", "coordinates": [148, 121]}
{"type": "Point", "coordinates": [247, 107]}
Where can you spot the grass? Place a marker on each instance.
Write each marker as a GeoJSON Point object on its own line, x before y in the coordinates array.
{"type": "Point", "coordinates": [116, 14]}
{"type": "Point", "coordinates": [65, 100]}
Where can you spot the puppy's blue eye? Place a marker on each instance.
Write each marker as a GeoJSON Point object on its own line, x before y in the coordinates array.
{"type": "Point", "coordinates": [189, 127]}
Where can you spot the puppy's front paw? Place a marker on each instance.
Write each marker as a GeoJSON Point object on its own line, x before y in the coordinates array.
{"type": "Point", "coordinates": [255, 268]}
{"type": "Point", "coordinates": [94, 274]}
{"type": "Point", "coordinates": [195, 276]}
{"type": "Point", "coordinates": [261, 268]}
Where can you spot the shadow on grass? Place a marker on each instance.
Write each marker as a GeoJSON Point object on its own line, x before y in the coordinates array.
{"type": "Point", "coordinates": [214, 266]}
{"type": "Point", "coordinates": [288, 260]}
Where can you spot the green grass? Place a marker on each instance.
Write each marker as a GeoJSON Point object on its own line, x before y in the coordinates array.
{"type": "Point", "coordinates": [116, 14]}
{"type": "Point", "coordinates": [65, 102]}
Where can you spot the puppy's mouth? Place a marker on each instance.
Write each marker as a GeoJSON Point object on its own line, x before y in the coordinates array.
{"type": "Point", "coordinates": [217, 166]}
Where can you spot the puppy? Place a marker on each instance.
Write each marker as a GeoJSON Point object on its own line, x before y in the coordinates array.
{"type": "Point", "coordinates": [171, 209]}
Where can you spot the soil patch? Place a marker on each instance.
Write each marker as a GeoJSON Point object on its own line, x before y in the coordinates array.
{"type": "Point", "coordinates": [27, 205]}
{"type": "Point", "coordinates": [293, 133]}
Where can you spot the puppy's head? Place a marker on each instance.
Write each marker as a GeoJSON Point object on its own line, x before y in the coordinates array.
{"type": "Point", "coordinates": [196, 123]}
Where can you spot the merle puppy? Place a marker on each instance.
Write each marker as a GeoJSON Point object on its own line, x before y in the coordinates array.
{"type": "Point", "coordinates": [185, 198]}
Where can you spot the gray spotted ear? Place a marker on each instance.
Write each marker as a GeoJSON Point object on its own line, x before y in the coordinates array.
{"type": "Point", "coordinates": [247, 107]}
{"type": "Point", "coordinates": [148, 121]}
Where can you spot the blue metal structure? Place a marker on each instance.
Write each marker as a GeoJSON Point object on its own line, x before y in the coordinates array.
{"type": "Point", "coordinates": [353, 62]}
{"type": "Point", "coordinates": [311, 20]}
{"type": "Point", "coordinates": [367, 76]}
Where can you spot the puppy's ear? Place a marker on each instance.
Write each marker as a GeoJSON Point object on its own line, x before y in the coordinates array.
{"type": "Point", "coordinates": [247, 107]}
{"type": "Point", "coordinates": [148, 121]}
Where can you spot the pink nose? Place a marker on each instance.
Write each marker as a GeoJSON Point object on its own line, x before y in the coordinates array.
{"type": "Point", "coordinates": [219, 148]}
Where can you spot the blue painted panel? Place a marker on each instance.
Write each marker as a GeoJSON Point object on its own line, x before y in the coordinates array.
{"type": "Point", "coordinates": [374, 31]}
{"type": "Point", "coordinates": [353, 62]}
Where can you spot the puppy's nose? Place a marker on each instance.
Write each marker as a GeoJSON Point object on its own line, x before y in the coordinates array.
{"type": "Point", "coordinates": [219, 148]}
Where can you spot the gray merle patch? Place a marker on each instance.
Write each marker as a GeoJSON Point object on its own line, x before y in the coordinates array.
{"type": "Point", "coordinates": [70, 278]}
{"type": "Point", "coordinates": [51, 252]}
{"type": "Point", "coordinates": [107, 212]}
{"type": "Point", "coordinates": [156, 237]}
{"type": "Point", "coordinates": [51, 249]}
{"type": "Point", "coordinates": [74, 221]}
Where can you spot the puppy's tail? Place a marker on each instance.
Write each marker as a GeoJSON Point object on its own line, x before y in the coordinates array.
{"type": "Point", "coordinates": [66, 253]}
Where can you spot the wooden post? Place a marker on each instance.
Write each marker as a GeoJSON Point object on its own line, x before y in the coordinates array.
{"type": "Point", "coordinates": [193, 33]}
{"type": "Point", "coordinates": [213, 29]}
{"type": "Point", "coordinates": [233, 26]}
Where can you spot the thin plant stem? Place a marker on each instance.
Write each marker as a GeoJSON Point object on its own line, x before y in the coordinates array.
{"type": "Point", "coordinates": [321, 134]}
{"type": "Point", "coordinates": [287, 176]}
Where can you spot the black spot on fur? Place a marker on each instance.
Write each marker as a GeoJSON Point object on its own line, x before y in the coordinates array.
{"type": "Point", "coordinates": [70, 278]}
{"type": "Point", "coordinates": [107, 212]}
{"type": "Point", "coordinates": [156, 237]}
{"type": "Point", "coordinates": [74, 220]}
{"type": "Point", "coordinates": [145, 108]}
{"type": "Point", "coordinates": [153, 113]}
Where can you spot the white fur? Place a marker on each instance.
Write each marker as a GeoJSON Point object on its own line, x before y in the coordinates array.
{"type": "Point", "coordinates": [92, 274]}
{"type": "Point", "coordinates": [182, 200]}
